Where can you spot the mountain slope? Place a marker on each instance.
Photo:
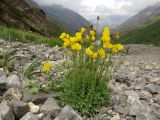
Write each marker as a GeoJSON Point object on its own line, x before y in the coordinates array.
{"type": "Point", "coordinates": [147, 33]}
{"type": "Point", "coordinates": [18, 14]}
{"type": "Point", "coordinates": [65, 17]}
{"type": "Point", "coordinates": [140, 18]}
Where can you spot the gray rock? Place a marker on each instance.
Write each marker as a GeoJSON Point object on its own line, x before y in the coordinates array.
{"type": "Point", "coordinates": [156, 113]}
{"type": "Point", "coordinates": [6, 112]}
{"type": "Point", "coordinates": [3, 84]}
{"type": "Point", "coordinates": [157, 99]}
{"type": "Point", "coordinates": [69, 114]}
{"type": "Point", "coordinates": [50, 107]}
{"type": "Point", "coordinates": [41, 115]}
{"type": "Point", "coordinates": [122, 110]}
{"type": "Point", "coordinates": [102, 117]}
{"type": "Point", "coordinates": [154, 89]}
{"type": "Point", "coordinates": [13, 81]}
{"type": "Point", "coordinates": [29, 116]}
{"type": "Point", "coordinates": [125, 76]}
{"type": "Point", "coordinates": [145, 116]}
{"type": "Point", "coordinates": [13, 93]}
{"type": "Point", "coordinates": [48, 117]}
{"type": "Point", "coordinates": [145, 95]}
{"type": "Point", "coordinates": [25, 81]}
{"type": "Point", "coordinates": [135, 108]}
{"type": "Point", "coordinates": [39, 98]}
{"type": "Point", "coordinates": [20, 108]}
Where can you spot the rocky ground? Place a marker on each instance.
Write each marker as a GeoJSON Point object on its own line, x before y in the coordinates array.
{"type": "Point", "coordinates": [135, 88]}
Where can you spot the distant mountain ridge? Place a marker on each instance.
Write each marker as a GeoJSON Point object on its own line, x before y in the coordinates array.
{"type": "Point", "coordinates": [147, 33]}
{"type": "Point", "coordinates": [140, 18]}
{"type": "Point", "coordinates": [67, 18]}
{"type": "Point", "coordinates": [143, 28]}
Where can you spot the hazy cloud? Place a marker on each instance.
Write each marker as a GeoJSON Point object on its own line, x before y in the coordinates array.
{"type": "Point", "coordinates": [90, 8]}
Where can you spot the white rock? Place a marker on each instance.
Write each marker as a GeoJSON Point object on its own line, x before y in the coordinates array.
{"type": "Point", "coordinates": [116, 117]}
{"type": "Point", "coordinates": [33, 108]}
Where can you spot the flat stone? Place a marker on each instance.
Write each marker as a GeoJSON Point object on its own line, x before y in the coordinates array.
{"type": "Point", "coordinates": [20, 108]}
{"type": "Point", "coordinates": [154, 89]}
{"type": "Point", "coordinates": [68, 113]}
{"type": "Point", "coordinates": [6, 112]}
{"type": "Point", "coordinates": [50, 107]}
{"type": "Point", "coordinates": [29, 116]}
{"type": "Point", "coordinates": [39, 98]}
{"type": "Point", "coordinates": [145, 116]}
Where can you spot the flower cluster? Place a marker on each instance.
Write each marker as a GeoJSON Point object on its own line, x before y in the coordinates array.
{"type": "Point", "coordinates": [86, 43]}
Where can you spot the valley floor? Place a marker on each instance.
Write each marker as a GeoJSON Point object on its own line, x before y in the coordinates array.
{"type": "Point", "coordinates": [135, 88]}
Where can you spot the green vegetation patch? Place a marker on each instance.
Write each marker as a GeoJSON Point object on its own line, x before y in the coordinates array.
{"type": "Point", "coordinates": [12, 34]}
{"type": "Point", "coordinates": [148, 33]}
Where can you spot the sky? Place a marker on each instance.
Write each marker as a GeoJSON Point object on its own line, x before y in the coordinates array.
{"type": "Point", "coordinates": [92, 8]}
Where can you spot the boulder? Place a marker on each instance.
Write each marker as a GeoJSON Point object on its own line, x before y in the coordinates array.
{"type": "Point", "coordinates": [13, 81]}
{"type": "Point", "coordinates": [50, 107]}
{"type": "Point", "coordinates": [13, 93]}
{"type": "Point", "coordinates": [20, 108]}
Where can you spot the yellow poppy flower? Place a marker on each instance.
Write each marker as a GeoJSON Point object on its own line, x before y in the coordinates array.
{"type": "Point", "coordinates": [66, 44]}
{"type": "Point", "coordinates": [117, 35]}
{"type": "Point", "coordinates": [63, 35]}
{"type": "Point", "coordinates": [47, 66]}
{"type": "Point", "coordinates": [87, 37]}
{"type": "Point", "coordinates": [76, 46]}
{"type": "Point", "coordinates": [78, 36]}
{"type": "Point", "coordinates": [107, 45]}
{"type": "Point", "coordinates": [93, 38]}
{"type": "Point", "coordinates": [92, 32]}
{"type": "Point", "coordinates": [117, 47]}
{"type": "Point", "coordinates": [101, 53]}
{"type": "Point", "coordinates": [83, 30]}
{"type": "Point", "coordinates": [94, 56]}
{"type": "Point", "coordinates": [89, 52]}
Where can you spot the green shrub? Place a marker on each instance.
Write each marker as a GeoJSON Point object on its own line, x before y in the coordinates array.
{"type": "Point", "coordinates": [85, 89]}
